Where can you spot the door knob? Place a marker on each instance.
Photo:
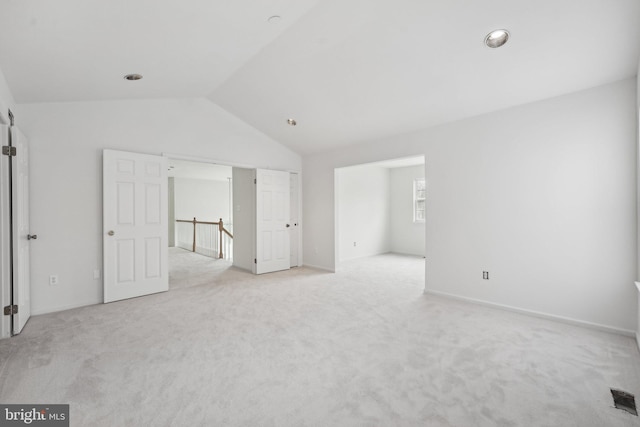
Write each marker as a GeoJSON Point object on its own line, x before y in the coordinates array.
{"type": "Point", "coordinates": [32, 236]}
{"type": "Point", "coordinates": [288, 226]}
{"type": "Point", "coordinates": [111, 233]}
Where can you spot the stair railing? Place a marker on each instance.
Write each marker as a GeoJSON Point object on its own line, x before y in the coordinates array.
{"type": "Point", "coordinates": [218, 237]}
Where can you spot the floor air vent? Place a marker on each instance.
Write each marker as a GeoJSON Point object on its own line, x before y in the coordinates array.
{"type": "Point", "coordinates": [624, 400]}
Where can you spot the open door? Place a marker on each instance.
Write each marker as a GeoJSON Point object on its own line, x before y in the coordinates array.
{"type": "Point", "coordinates": [5, 235]}
{"type": "Point", "coordinates": [135, 214]}
{"type": "Point", "coordinates": [14, 223]}
{"type": "Point", "coordinates": [272, 221]}
{"type": "Point", "coordinates": [20, 224]}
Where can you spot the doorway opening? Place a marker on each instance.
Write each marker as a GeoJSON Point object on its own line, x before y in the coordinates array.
{"type": "Point", "coordinates": [138, 218]}
{"type": "Point", "coordinates": [200, 221]}
{"type": "Point", "coordinates": [380, 208]}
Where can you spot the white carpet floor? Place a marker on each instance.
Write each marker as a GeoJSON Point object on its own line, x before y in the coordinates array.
{"type": "Point", "coordinates": [363, 347]}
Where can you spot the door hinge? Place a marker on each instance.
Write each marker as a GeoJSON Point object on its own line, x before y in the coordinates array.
{"type": "Point", "coordinates": [255, 261]}
{"type": "Point", "coordinates": [10, 310]}
{"type": "Point", "coordinates": [8, 150]}
{"type": "Point", "coordinates": [255, 181]}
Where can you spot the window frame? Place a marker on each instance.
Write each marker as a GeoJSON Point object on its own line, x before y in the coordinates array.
{"type": "Point", "coordinates": [417, 199]}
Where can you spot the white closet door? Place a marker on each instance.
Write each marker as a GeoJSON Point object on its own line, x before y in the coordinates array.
{"type": "Point", "coordinates": [135, 215]}
{"type": "Point", "coordinates": [21, 241]}
{"type": "Point", "coordinates": [5, 231]}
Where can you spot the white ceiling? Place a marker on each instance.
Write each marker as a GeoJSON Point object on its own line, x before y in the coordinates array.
{"type": "Point", "coordinates": [79, 50]}
{"type": "Point", "coordinates": [346, 70]}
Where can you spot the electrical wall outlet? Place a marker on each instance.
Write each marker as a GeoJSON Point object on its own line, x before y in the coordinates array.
{"type": "Point", "coordinates": [53, 280]}
{"type": "Point", "coordinates": [354, 244]}
{"type": "Point", "coordinates": [485, 275]}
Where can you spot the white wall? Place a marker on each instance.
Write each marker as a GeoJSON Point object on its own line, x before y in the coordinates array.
{"type": "Point", "coordinates": [204, 199]}
{"type": "Point", "coordinates": [67, 140]}
{"type": "Point", "coordinates": [363, 211]}
{"type": "Point", "coordinates": [6, 100]}
{"type": "Point", "coordinates": [543, 196]}
{"type": "Point", "coordinates": [407, 236]}
{"type": "Point", "coordinates": [244, 218]}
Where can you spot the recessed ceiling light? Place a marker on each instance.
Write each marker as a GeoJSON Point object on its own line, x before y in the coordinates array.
{"type": "Point", "coordinates": [133, 77]}
{"type": "Point", "coordinates": [292, 122]}
{"type": "Point", "coordinates": [273, 19]}
{"type": "Point", "coordinates": [496, 38]}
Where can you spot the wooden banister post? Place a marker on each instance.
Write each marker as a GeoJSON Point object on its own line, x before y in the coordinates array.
{"type": "Point", "coordinates": [194, 234]}
{"type": "Point", "coordinates": [220, 228]}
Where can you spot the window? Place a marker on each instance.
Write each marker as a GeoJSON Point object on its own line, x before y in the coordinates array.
{"type": "Point", "coordinates": [418, 200]}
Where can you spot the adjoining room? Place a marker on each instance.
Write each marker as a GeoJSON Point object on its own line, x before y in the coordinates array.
{"type": "Point", "coordinates": [381, 208]}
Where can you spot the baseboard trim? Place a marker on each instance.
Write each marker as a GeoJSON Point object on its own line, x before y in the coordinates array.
{"type": "Point", "coordinates": [317, 267]}
{"type": "Point", "coordinates": [533, 313]}
{"type": "Point", "coordinates": [63, 308]}
{"type": "Point", "coordinates": [407, 253]}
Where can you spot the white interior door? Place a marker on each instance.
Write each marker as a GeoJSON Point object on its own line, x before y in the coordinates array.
{"type": "Point", "coordinates": [135, 226]}
{"type": "Point", "coordinates": [5, 233]}
{"type": "Point", "coordinates": [295, 233]}
{"type": "Point", "coordinates": [20, 225]}
{"type": "Point", "coordinates": [272, 221]}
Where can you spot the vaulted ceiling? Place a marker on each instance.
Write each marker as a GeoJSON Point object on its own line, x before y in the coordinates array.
{"type": "Point", "coordinates": [345, 70]}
